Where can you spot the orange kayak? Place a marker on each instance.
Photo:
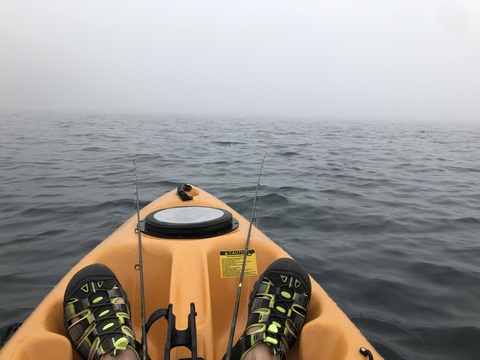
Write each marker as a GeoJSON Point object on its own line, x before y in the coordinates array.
{"type": "Point", "coordinates": [192, 253]}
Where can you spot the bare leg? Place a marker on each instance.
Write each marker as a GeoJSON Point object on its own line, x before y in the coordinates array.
{"type": "Point", "coordinates": [122, 355]}
{"type": "Point", "coordinates": [261, 352]}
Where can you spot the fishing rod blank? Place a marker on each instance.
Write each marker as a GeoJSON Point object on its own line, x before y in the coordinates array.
{"type": "Point", "coordinates": [255, 210]}
{"type": "Point", "coordinates": [140, 264]}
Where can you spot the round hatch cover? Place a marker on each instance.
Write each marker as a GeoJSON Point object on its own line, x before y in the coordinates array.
{"type": "Point", "coordinates": [189, 222]}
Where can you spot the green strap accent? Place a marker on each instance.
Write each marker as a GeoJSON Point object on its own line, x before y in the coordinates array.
{"type": "Point", "coordinates": [273, 329]}
{"type": "Point", "coordinates": [108, 326]}
{"type": "Point", "coordinates": [271, 340]}
{"type": "Point", "coordinates": [103, 313]}
{"type": "Point", "coordinates": [97, 299]}
{"type": "Point", "coordinates": [121, 344]}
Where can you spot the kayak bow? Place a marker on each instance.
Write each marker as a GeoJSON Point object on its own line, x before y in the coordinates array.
{"type": "Point", "coordinates": [192, 253]}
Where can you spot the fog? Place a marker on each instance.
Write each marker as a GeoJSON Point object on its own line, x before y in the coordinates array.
{"type": "Point", "coordinates": [374, 59]}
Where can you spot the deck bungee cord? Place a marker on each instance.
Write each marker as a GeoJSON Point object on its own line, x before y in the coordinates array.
{"type": "Point", "coordinates": [253, 220]}
{"type": "Point", "coordinates": [140, 266]}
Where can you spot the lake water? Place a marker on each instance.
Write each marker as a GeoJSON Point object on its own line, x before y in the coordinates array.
{"type": "Point", "coordinates": [385, 216]}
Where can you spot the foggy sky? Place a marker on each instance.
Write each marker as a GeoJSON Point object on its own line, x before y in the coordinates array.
{"type": "Point", "coordinates": [373, 59]}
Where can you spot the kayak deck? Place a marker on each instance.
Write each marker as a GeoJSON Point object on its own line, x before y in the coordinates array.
{"type": "Point", "coordinates": [181, 271]}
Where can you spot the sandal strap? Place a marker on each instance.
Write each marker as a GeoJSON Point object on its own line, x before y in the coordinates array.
{"type": "Point", "coordinates": [300, 299]}
{"type": "Point", "coordinates": [76, 308]}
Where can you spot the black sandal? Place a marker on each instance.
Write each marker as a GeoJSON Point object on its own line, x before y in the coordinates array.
{"type": "Point", "coordinates": [277, 310]}
{"type": "Point", "coordinates": [94, 323]}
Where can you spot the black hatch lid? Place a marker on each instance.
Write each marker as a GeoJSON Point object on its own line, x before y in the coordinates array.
{"type": "Point", "coordinates": [189, 222]}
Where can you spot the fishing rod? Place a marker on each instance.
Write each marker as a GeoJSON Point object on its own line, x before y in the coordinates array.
{"type": "Point", "coordinates": [255, 210]}
{"type": "Point", "coordinates": [140, 265]}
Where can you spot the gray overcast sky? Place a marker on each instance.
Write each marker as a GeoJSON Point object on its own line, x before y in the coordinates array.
{"type": "Point", "coordinates": [372, 59]}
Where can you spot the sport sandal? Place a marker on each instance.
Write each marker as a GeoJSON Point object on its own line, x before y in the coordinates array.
{"type": "Point", "coordinates": [277, 309]}
{"type": "Point", "coordinates": [94, 323]}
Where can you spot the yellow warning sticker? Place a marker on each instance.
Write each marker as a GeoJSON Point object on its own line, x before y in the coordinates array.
{"type": "Point", "coordinates": [231, 263]}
